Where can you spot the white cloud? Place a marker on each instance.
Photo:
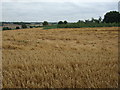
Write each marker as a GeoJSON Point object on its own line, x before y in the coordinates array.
{"type": "Point", "coordinates": [55, 11]}
{"type": "Point", "coordinates": [0, 12]}
{"type": "Point", "coordinates": [77, 1]}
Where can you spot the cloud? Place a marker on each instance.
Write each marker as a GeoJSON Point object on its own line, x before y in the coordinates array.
{"type": "Point", "coordinates": [54, 11]}
{"type": "Point", "coordinates": [60, 1]}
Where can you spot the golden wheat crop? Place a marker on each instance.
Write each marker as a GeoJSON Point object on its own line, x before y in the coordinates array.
{"type": "Point", "coordinates": [60, 58]}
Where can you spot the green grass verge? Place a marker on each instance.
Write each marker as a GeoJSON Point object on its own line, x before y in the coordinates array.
{"type": "Point", "coordinates": [50, 27]}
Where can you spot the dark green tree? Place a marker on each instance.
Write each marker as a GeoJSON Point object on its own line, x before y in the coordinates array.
{"type": "Point", "coordinates": [60, 22]}
{"type": "Point", "coordinates": [100, 19]}
{"type": "Point", "coordinates": [80, 21]}
{"type": "Point", "coordinates": [94, 20]}
{"type": "Point", "coordinates": [31, 26]}
{"type": "Point", "coordinates": [65, 22]}
{"type": "Point", "coordinates": [6, 28]}
{"type": "Point", "coordinates": [24, 26]}
{"type": "Point", "coordinates": [112, 17]}
{"type": "Point", "coordinates": [17, 27]}
{"type": "Point", "coordinates": [45, 23]}
{"type": "Point", "coordinates": [88, 21]}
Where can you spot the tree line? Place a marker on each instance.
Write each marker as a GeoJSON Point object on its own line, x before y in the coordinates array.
{"type": "Point", "coordinates": [111, 18]}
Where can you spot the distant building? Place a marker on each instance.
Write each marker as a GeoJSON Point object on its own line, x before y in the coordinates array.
{"type": "Point", "coordinates": [12, 26]}
{"type": "Point", "coordinates": [35, 24]}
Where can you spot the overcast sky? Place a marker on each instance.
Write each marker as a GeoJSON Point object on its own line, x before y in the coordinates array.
{"type": "Point", "coordinates": [55, 10]}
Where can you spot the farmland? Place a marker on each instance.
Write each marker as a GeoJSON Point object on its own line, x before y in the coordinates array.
{"type": "Point", "coordinates": [60, 58]}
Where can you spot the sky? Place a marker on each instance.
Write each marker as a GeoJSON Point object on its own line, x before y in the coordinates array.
{"type": "Point", "coordinates": [55, 10]}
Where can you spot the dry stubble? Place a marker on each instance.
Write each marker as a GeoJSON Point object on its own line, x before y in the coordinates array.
{"type": "Point", "coordinates": [59, 58]}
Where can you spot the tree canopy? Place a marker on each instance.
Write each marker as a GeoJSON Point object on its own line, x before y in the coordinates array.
{"type": "Point", "coordinates": [112, 17]}
{"type": "Point", "coordinates": [45, 23]}
{"type": "Point", "coordinates": [24, 26]}
{"type": "Point", "coordinates": [65, 22]}
{"type": "Point", "coordinates": [60, 22]}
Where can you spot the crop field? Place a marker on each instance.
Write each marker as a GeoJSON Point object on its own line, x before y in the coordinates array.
{"type": "Point", "coordinates": [60, 58]}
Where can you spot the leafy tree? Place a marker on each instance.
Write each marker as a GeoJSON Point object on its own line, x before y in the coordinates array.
{"type": "Point", "coordinates": [60, 22]}
{"type": "Point", "coordinates": [45, 23]}
{"type": "Point", "coordinates": [80, 21]}
{"type": "Point", "coordinates": [24, 26]}
{"type": "Point", "coordinates": [88, 21]}
{"type": "Point", "coordinates": [31, 26]}
{"type": "Point", "coordinates": [112, 17]}
{"type": "Point", "coordinates": [65, 22]}
{"type": "Point", "coordinates": [100, 19]}
{"type": "Point", "coordinates": [94, 20]}
{"type": "Point", "coordinates": [17, 27]}
{"type": "Point", "coordinates": [6, 28]}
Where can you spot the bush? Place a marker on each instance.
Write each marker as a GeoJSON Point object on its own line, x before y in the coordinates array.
{"type": "Point", "coordinates": [6, 28]}
{"type": "Point", "coordinates": [31, 26]}
{"type": "Point", "coordinates": [17, 27]}
{"type": "Point", "coordinates": [79, 25]}
{"type": "Point", "coordinates": [24, 26]}
{"type": "Point", "coordinates": [45, 23]}
{"type": "Point", "coordinates": [50, 27]}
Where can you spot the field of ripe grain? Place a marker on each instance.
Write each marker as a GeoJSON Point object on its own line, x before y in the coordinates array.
{"type": "Point", "coordinates": [60, 58]}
